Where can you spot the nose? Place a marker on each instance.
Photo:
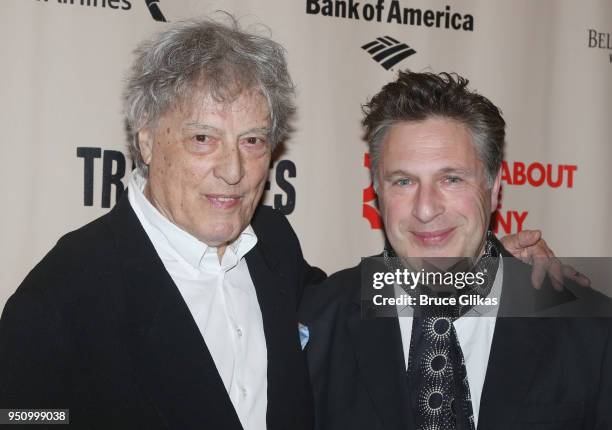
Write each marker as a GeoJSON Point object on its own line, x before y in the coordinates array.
{"type": "Point", "coordinates": [428, 203]}
{"type": "Point", "coordinates": [230, 168]}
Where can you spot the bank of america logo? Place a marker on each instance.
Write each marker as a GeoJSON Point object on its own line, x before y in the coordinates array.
{"type": "Point", "coordinates": [387, 51]}
{"type": "Point", "coordinates": [155, 11]}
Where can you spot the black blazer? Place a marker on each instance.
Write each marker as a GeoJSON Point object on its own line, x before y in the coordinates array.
{"type": "Point", "coordinates": [98, 326]}
{"type": "Point", "coordinates": [543, 373]}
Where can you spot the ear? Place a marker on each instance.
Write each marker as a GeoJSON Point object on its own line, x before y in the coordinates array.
{"type": "Point", "coordinates": [145, 144]}
{"type": "Point", "coordinates": [495, 191]}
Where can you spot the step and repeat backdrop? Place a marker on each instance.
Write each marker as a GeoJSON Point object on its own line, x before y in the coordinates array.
{"type": "Point", "coordinates": [547, 64]}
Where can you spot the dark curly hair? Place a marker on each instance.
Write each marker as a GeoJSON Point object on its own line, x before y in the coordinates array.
{"type": "Point", "coordinates": [415, 97]}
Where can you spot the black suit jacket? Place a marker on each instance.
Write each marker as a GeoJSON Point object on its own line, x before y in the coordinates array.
{"type": "Point", "coordinates": [99, 327]}
{"type": "Point", "coordinates": [543, 373]}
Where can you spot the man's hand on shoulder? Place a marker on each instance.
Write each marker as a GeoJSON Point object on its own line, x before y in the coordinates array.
{"type": "Point", "coordinates": [529, 247]}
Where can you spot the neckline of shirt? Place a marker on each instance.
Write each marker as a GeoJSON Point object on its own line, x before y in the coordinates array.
{"type": "Point", "coordinates": [194, 252]}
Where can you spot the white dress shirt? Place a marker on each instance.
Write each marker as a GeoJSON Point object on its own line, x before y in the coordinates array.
{"type": "Point", "coordinates": [475, 334]}
{"type": "Point", "coordinates": [222, 300]}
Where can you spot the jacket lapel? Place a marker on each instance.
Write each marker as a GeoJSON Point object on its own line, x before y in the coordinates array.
{"type": "Point", "coordinates": [171, 359]}
{"type": "Point", "coordinates": [279, 314]}
{"type": "Point", "coordinates": [517, 350]}
{"type": "Point", "coordinates": [516, 353]}
{"type": "Point", "coordinates": [378, 348]}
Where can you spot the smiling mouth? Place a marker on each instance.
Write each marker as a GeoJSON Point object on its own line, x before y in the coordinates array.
{"type": "Point", "coordinates": [433, 238]}
{"type": "Point", "coordinates": [220, 201]}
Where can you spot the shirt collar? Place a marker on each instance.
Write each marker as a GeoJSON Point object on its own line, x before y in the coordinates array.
{"type": "Point", "coordinates": [196, 253]}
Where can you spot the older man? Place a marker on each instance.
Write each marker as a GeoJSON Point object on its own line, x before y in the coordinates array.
{"type": "Point", "coordinates": [436, 150]}
{"type": "Point", "coordinates": [178, 308]}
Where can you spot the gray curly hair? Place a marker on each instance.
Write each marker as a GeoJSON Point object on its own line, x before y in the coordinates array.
{"type": "Point", "coordinates": [219, 58]}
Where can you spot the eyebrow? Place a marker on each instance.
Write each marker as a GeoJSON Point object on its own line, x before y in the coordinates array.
{"type": "Point", "coordinates": [205, 127]}
{"type": "Point", "coordinates": [262, 130]}
{"type": "Point", "coordinates": [445, 170]}
{"type": "Point", "coordinates": [398, 172]}
{"type": "Point", "coordinates": [458, 170]}
{"type": "Point", "coordinates": [201, 126]}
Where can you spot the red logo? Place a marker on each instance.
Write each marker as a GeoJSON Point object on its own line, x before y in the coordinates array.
{"type": "Point", "coordinates": [370, 211]}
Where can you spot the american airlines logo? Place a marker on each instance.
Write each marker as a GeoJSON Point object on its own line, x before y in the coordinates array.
{"type": "Point", "coordinates": [155, 11]}
{"type": "Point", "coordinates": [387, 51]}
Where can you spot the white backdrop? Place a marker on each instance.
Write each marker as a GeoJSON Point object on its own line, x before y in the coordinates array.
{"type": "Point", "coordinates": [547, 64]}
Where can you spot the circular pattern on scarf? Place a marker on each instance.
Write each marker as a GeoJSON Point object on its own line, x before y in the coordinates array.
{"type": "Point", "coordinates": [431, 401]}
{"type": "Point", "coordinates": [437, 329]}
{"type": "Point", "coordinates": [434, 363]}
{"type": "Point", "coordinates": [435, 400]}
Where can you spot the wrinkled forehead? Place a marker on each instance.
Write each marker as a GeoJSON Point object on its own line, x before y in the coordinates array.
{"type": "Point", "coordinates": [433, 139]}
{"type": "Point", "coordinates": [202, 101]}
